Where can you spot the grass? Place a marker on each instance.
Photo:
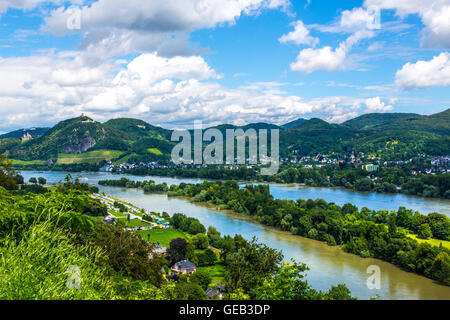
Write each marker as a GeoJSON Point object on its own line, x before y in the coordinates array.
{"type": "Point", "coordinates": [433, 242]}
{"type": "Point", "coordinates": [155, 151]}
{"type": "Point", "coordinates": [124, 159]}
{"type": "Point", "coordinates": [133, 223]}
{"type": "Point", "coordinates": [163, 236]}
{"type": "Point", "coordinates": [117, 214]}
{"type": "Point", "coordinates": [217, 271]}
{"type": "Point", "coordinates": [88, 157]}
{"type": "Point", "coordinates": [27, 163]}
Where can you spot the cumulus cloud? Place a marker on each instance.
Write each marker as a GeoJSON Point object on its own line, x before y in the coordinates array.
{"type": "Point", "coordinates": [375, 105]}
{"type": "Point", "coordinates": [358, 22]}
{"type": "Point", "coordinates": [310, 60]}
{"type": "Point", "coordinates": [435, 15]}
{"type": "Point", "coordinates": [27, 4]}
{"type": "Point", "coordinates": [300, 35]}
{"type": "Point", "coordinates": [423, 74]}
{"type": "Point", "coordinates": [44, 89]}
{"type": "Point", "coordinates": [138, 27]}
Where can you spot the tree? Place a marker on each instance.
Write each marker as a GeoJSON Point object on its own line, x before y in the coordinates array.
{"type": "Point", "coordinates": [191, 255]}
{"type": "Point", "coordinates": [251, 264]}
{"type": "Point", "coordinates": [425, 231]}
{"type": "Point", "coordinates": [177, 250]}
{"type": "Point", "coordinates": [189, 291]}
{"type": "Point", "coordinates": [19, 179]}
{"type": "Point", "coordinates": [207, 258]}
{"type": "Point", "coordinates": [7, 174]}
{"type": "Point", "coordinates": [33, 180]}
{"type": "Point", "coordinates": [202, 277]}
{"type": "Point", "coordinates": [339, 292]}
{"type": "Point", "coordinates": [129, 254]}
{"type": "Point", "coordinates": [200, 241]}
{"type": "Point", "coordinates": [288, 283]}
{"type": "Point", "coordinates": [214, 236]}
{"type": "Point", "coordinates": [42, 181]}
{"type": "Point", "coordinates": [196, 227]}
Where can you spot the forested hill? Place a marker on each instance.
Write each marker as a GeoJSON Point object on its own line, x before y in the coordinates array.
{"type": "Point", "coordinates": [389, 134]}
{"type": "Point", "coordinates": [395, 135]}
{"type": "Point", "coordinates": [18, 134]}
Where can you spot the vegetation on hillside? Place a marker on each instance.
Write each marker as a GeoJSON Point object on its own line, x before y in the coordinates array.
{"type": "Point", "coordinates": [55, 246]}
{"type": "Point", "coordinates": [391, 136]}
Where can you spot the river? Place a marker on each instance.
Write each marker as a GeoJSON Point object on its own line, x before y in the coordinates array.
{"type": "Point", "coordinates": [328, 265]}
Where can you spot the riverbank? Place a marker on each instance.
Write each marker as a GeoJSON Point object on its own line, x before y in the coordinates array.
{"type": "Point", "coordinates": [366, 233]}
{"type": "Point", "coordinates": [432, 242]}
{"type": "Point", "coordinates": [328, 265]}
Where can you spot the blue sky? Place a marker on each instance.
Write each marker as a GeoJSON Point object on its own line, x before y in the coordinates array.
{"type": "Point", "coordinates": [172, 62]}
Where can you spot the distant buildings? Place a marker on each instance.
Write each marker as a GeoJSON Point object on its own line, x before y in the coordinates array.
{"type": "Point", "coordinates": [26, 137]}
{"type": "Point", "coordinates": [371, 167]}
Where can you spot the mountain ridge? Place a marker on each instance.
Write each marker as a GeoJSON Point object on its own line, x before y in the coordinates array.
{"type": "Point", "coordinates": [141, 141]}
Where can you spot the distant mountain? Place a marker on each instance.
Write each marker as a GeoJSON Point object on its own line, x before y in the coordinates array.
{"type": "Point", "coordinates": [18, 134]}
{"type": "Point", "coordinates": [82, 134]}
{"type": "Point", "coordinates": [255, 126]}
{"type": "Point", "coordinates": [393, 135]}
{"type": "Point", "coordinates": [436, 123]}
{"type": "Point", "coordinates": [294, 123]}
{"type": "Point", "coordinates": [371, 121]}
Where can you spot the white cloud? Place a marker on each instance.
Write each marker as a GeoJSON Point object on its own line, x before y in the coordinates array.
{"type": "Point", "coordinates": [435, 15]}
{"type": "Point", "coordinates": [44, 89]}
{"type": "Point", "coordinates": [423, 74]}
{"type": "Point", "coordinates": [300, 35]}
{"type": "Point", "coordinates": [310, 60]}
{"type": "Point", "coordinates": [375, 105]}
{"type": "Point", "coordinates": [132, 26]}
{"type": "Point", "coordinates": [357, 19]}
{"type": "Point", "coordinates": [26, 4]}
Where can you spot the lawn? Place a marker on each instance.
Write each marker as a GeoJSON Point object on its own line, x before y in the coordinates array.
{"type": "Point", "coordinates": [134, 223]}
{"type": "Point", "coordinates": [433, 242]}
{"type": "Point", "coordinates": [163, 236]}
{"type": "Point", "coordinates": [217, 271]}
{"type": "Point", "coordinates": [89, 157]}
{"type": "Point", "coordinates": [117, 214]}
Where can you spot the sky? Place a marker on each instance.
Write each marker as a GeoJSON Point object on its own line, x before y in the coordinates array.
{"type": "Point", "coordinates": [171, 62]}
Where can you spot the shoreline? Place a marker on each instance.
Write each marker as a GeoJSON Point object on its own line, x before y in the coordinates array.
{"type": "Point", "coordinates": [290, 185]}
{"type": "Point", "coordinates": [275, 229]}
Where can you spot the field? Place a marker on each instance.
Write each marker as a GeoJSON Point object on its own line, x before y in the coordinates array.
{"type": "Point", "coordinates": [155, 151]}
{"type": "Point", "coordinates": [27, 163]}
{"type": "Point", "coordinates": [163, 236]}
{"type": "Point", "coordinates": [88, 157]}
{"type": "Point", "coordinates": [433, 242]}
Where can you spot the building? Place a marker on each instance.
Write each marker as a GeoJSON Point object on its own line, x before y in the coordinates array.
{"type": "Point", "coordinates": [184, 267]}
{"type": "Point", "coordinates": [161, 250]}
{"type": "Point", "coordinates": [26, 137]}
{"type": "Point", "coordinates": [213, 294]}
{"type": "Point", "coordinates": [371, 167]}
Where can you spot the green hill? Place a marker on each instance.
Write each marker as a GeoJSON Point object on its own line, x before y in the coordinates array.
{"type": "Point", "coordinates": [294, 123]}
{"type": "Point", "coordinates": [370, 121]}
{"type": "Point", "coordinates": [393, 135]}
{"type": "Point", "coordinates": [18, 134]}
